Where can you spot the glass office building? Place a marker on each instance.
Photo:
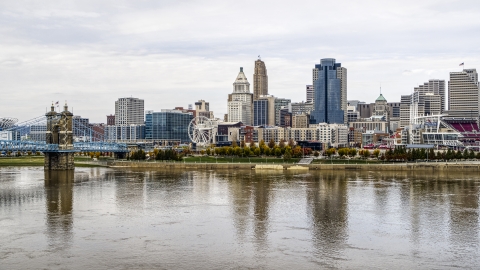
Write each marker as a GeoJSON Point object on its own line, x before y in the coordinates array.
{"type": "Point", "coordinates": [260, 112]}
{"type": "Point", "coordinates": [167, 125]}
{"type": "Point", "coordinates": [328, 93]}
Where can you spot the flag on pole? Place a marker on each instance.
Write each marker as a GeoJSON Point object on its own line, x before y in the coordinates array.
{"type": "Point", "coordinates": [56, 103]}
{"type": "Point", "coordinates": [461, 64]}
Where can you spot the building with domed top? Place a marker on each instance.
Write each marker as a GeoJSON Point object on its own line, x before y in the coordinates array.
{"type": "Point", "coordinates": [240, 102]}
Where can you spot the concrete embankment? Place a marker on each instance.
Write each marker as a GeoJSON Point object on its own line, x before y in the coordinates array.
{"type": "Point", "coordinates": [437, 166]}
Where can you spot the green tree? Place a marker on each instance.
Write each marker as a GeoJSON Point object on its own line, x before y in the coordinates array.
{"type": "Point", "coordinates": [297, 152]}
{"type": "Point", "coordinates": [265, 150]}
{"type": "Point", "coordinates": [389, 155]}
{"type": "Point", "coordinates": [376, 153]}
{"type": "Point", "coordinates": [261, 144]}
{"type": "Point", "coordinates": [366, 153]}
{"type": "Point", "coordinates": [282, 144]}
{"type": "Point", "coordinates": [342, 152]}
{"type": "Point", "coordinates": [271, 143]}
{"type": "Point", "coordinates": [291, 143]}
{"type": "Point", "coordinates": [278, 152]}
{"type": "Point", "coordinates": [238, 151]}
{"type": "Point", "coordinates": [316, 153]}
{"type": "Point", "coordinates": [448, 154]}
{"type": "Point", "coordinates": [246, 151]}
{"type": "Point", "coordinates": [257, 151]}
{"type": "Point", "coordinates": [329, 152]}
{"type": "Point", "coordinates": [160, 155]}
{"type": "Point", "coordinates": [471, 154]}
{"type": "Point", "coordinates": [458, 155]}
{"type": "Point", "coordinates": [352, 152]}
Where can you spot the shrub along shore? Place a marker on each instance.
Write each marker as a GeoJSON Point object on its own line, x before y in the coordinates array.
{"type": "Point", "coordinates": [211, 163]}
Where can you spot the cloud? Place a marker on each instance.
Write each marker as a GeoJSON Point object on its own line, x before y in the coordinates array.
{"type": "Point", "coordinates": [172, 53]}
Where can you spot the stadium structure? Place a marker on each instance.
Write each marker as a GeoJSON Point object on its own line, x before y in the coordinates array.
{"type": "Point", "coordinates": [7, 122]}
{"type": "Point", "coordinates": [443, 131]}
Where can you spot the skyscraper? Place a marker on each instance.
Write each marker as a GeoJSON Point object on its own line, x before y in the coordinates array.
{"type": "Point", "coordinates": [129, 111]}
{"type": "Point", "coordinates": [240, 102]}
{"type": "Point", "coordinates": [435, 87]}
{"type": "Point", "coordinates": [426, 99]}
{"type": "Point", "coordinates": [279, 104]}
{"type": "Point", "coordinates": [330, 84]}
{"type": "Point", "coordinates": [202, 108]}
{"type": "Point", "coordinates": [260, 80]}
{"type": "Point", "coordinates": [264, 111]}
{"type": "Point", "coordinates": [310, 93]}
{"type": "Point", "coordinates": [260, 112]}
{"type": "Point", "coordinates": [463, 94]}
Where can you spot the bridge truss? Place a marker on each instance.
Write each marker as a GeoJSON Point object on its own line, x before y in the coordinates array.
{"type": "Point", "coordinates": [27, 145]}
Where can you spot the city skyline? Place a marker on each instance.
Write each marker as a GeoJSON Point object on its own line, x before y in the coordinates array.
{"type": "Point", "coordinates": [92, 53]}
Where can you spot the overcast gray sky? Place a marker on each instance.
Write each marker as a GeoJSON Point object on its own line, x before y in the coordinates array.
{"type": "Point", "coordinates": [173, 53]}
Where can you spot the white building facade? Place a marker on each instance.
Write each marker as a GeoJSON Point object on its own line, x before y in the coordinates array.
{"type": "Point", "coordinates": [240, 102]}
{"type": "Point", "coordinates": [129, 111]}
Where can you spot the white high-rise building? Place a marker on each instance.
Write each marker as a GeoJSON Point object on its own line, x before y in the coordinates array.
{"type": "Point", "coordinates": [463, 94]}
{"type": "Point", "coordinates": [310, 93]}
{"type": "Point", "coordinates": [240, 102]}
{"type": "Point", "coordinates": [426, 99]}
{"type": "Point", "coordinates": [433, 87]}
{"type": "Point", "coordinates": [129, 111]}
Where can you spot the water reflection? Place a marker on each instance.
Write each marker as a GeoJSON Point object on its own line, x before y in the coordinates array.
{"type": "Point", "coordinates": [250, 194]}
{"type": "Point", "coordinates": [261, 188]}
{"type": "Point", "coordinates": [59, 206]}
{"type": "Point", "coordinates": [248, 219]}
{"type": "Point", "coordinates": [240, 194]}
{"type": "Point", "coordinates": [327, 207]}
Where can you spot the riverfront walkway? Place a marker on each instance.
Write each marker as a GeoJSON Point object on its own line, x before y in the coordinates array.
{"type": "Point", "coordinates": [471, 166]}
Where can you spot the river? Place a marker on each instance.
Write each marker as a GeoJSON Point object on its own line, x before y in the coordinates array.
{"type": "Point", "coordinates": [101, 218]}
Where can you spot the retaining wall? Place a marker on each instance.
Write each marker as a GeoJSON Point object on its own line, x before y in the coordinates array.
{"type": "Point", "coordinates": [440, 166]}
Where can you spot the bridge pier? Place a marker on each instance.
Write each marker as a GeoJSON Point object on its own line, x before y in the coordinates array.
{"type": "Point", "coordinates": [60, 133]}
{"type": "Point", "coordinates": [59, 161]}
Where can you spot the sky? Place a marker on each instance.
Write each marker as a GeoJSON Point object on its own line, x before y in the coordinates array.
{"type": "Point", "coordinates": [174, 53]}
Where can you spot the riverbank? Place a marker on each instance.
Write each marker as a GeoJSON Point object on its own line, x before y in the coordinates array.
{"type": "Point", "coordinates": [37, 161]}
{"type": "Point", "coordinates": [472, 166]}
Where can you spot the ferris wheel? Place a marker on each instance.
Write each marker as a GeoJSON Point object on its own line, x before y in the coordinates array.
{"type": "Point", "coordinates": [201, 130]}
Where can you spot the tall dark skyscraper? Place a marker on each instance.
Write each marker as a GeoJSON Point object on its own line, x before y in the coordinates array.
{"type": "Point", "coordinates": [330, 83]}
{"type": "Point", "coordinates": [260, 80]}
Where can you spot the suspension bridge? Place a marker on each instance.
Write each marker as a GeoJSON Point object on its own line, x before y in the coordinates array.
{"type": "Point", "coordinates": [58, 145]}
